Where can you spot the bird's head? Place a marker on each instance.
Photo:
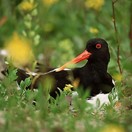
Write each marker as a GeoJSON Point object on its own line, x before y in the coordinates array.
{"type": "Point", "coordinates": [99, 50]}
{"type": "Point", "coordinates": [96, 51]}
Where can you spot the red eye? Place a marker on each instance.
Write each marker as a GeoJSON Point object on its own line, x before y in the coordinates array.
{"type": "Point", "coordinates": [98, 46]}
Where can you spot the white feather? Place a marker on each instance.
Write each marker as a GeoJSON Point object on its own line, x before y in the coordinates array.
{"type": "Point", "coordinates": [113, 82]}
{"type": "Point", "coordinates": [103, 98]}
{"type": "Point", "coordinates": [32, 73]}
{"type": "Point", "coordinates": [67, 69]}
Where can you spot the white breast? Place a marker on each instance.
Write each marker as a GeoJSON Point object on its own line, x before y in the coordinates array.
{"type": "Point", "coordinates": [99, 99]}
{"type": "Point", "coordinates": [102, 98]}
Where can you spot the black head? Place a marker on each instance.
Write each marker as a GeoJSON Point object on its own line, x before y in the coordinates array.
{"type": "Point", "coordinates": [99, 50]}
{"type": "Point", "coordinates": [96, 52]}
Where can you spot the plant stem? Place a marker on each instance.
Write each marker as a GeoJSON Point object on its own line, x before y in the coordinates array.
{"type": "Point", "coordinates": [130, 32]}
{"type": "Point", "coordinates": [116, 33]}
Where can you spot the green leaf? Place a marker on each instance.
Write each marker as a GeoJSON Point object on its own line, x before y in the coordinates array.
{"type": "Point", "coordinates": [26, 83]}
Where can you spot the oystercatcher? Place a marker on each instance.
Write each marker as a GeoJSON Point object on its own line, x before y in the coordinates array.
{"type": "Point", "coordinates": [92, 76]}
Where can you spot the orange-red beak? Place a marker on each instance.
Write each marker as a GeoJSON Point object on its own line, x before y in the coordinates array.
{"type": "Point", "coordinates": [83, 56]}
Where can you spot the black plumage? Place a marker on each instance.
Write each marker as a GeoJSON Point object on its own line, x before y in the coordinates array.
{"type": "Point", "coordinates": [93, 75]}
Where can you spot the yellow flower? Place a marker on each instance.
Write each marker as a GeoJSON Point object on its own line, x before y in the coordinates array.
{"type": "Point", "coordinates": [68, 87]}
{"type": "Point", "coordinates": [19, 50]}
{"type": "Point", "coordinates": [27, 5]}
{"type": "Point", "coordinates": [112, 128]}
{"type": "Point", "coordinates": [76, 82]}
{"type": "Point", "coordinates": [93, 30]}
{"type": "Point", "coordinates": [118, 77]}
{"type": "Point", "coordinates": [49, 2]}
{"type": "Point", "coordinates": [94, 4]}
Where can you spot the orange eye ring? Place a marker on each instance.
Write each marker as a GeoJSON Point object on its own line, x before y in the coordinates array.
{"type": "Point", "coordinates": [98, 46]}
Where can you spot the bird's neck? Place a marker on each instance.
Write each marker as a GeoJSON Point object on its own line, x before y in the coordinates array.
{"type": "Point", "coordinates": [100, 67]}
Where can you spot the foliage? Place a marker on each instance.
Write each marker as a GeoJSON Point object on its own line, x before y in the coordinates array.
{"type": "Point", "coordinates": [55, 31]}
{"type": "Point", "coordinates": [40, 114]}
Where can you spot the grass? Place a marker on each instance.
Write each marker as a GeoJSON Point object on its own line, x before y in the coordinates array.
{"type": "Point", "coordinates": [19, 113]}
{"type": "Point", "coordinates": [56, 31]}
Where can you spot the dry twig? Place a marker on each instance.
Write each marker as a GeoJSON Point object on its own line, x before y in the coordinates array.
{"type": "Point", "coordinates": [116, 33]}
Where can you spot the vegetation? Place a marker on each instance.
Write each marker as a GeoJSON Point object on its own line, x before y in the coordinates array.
{"type": "Point", "coordinates": [53, 32]}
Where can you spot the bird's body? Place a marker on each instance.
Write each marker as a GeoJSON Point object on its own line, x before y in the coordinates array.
{"type": "Point", "coordinates": [92, 76]}
{"type": "Point", "coordinates": [96, 81]}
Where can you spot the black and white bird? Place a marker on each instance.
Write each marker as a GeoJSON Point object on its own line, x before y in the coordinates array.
{"type": "Point", "coordinates": [93, 76]}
